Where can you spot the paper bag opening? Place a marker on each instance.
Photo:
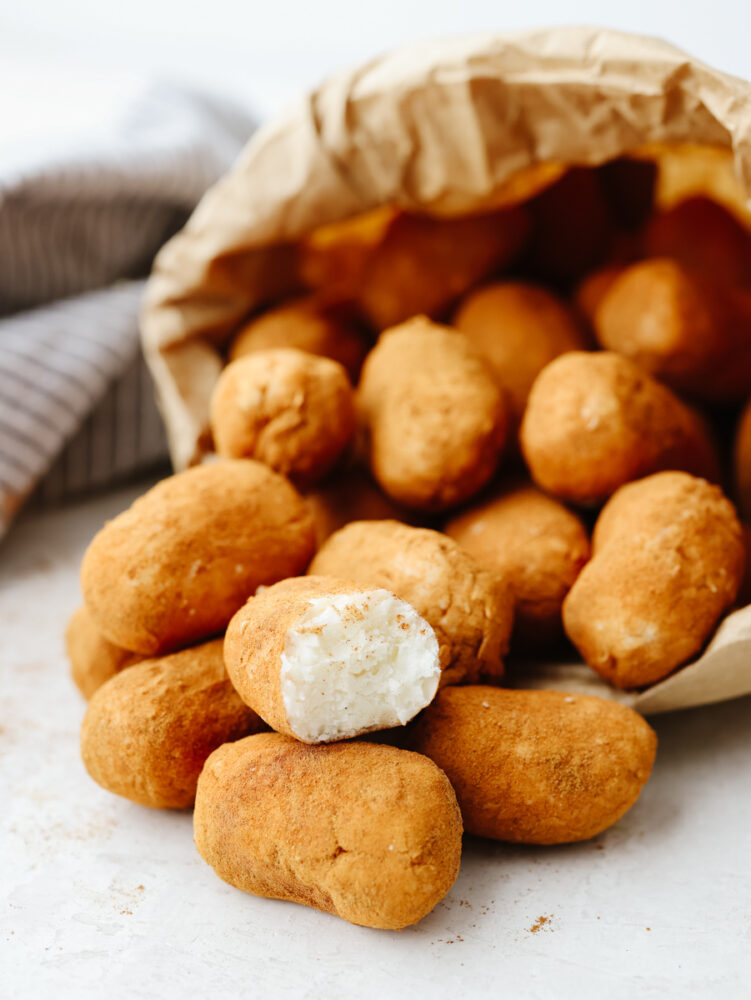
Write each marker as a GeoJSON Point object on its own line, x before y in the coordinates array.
{"type": "Point", "coordinates": [448, 129]}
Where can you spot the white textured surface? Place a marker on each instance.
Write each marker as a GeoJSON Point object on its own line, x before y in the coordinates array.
{"type": "Point", "coordinates": [357, 662]}
{"type": "Point", "coordinates": [106, 899]}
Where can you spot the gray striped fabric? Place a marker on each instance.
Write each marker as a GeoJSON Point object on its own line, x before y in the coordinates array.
{"type": "Point", "coordinates": [76, 403]}
{"type": "Point", "coordinates": [122, 436]}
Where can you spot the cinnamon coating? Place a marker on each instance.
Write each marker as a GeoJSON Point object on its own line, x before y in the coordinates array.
{"type": "Point", "coordinates": [93, 659]}
{"type": "Point", "coordinates": [434, 416]}
{"type": "Point", "coordinates": [536, 767]}
{"type": "Point", "coordinates": [423, 265]}
{"type": "Point", "coordinates": [536, 546]}
{"type": "Point", "coordinates": [595, 421]}
{"type": "Point", "coordinates": [173, 568]}
{"type": "Point", "coordinates": [704, 236]}
{"type": "Point", "coordinates": [293, 411]}
{"type": "Point", "coordinates": [519, 328]}
{"type": "Point", "coordinates": [470, 609]}
{"type": "Point", "coordinates": [317, 324]}
{"type": "Point", "coordinates": [686, 330]}
{"type": "Point", "coordinates": [148, 730]}
{"type": "Point", "coordinates": [367, 832]}
{"type": "Point", "coordinates": [667, 562]}
{"type": "Point", "coordinates": [593, 288]}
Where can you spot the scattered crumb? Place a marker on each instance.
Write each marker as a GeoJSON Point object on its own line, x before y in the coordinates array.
{"type": "Point", "coordinates": [457, 940]}
{"type": "Point", "coordinates": [541, 922]}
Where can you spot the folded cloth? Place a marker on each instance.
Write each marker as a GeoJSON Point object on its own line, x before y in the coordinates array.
{"type": "Point", "coordinates": [80, 216]}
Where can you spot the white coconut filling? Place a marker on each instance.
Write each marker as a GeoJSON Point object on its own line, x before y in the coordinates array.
{"type": "Point", "coordinates": [357, 662]}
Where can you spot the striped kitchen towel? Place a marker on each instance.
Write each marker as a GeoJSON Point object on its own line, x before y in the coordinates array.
{"type": "Point", "coordinates": [80, 222]}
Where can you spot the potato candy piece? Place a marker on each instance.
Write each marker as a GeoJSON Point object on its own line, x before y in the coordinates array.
{"type": "Point", "coordinates": [705, 236]}
{"type": "Point", "coordinates": [537, 767]}
{"type": "Point", "coordinates": [434, 414]}
{"type": "Point", "coordinates": [470, 610]}
{"type": "Point", "coordinates": [291, 410]}
{"type": "Point", "coordinates": [680, 327]}
{"type": "Point", "coordinates": [317, 324]}
{"type": "Point", "coordinates": [350, 496]}
{"type": "Point", "coordinates": [335, 256]}
{"type": "Point", "coordinates": [423, 264]}
{"type": "Point", "coordinates": [536, 546]}
{"type": "Point", "coordinates": [369, 833]}
{"type": "Point", "coordinates": [93, 659]}
{"type": "Point", "coordinates": [176, 566]}
{"type": "Point", "coordinates": [321, 659]}
{"type": "Point", "coordinates": [519, 328]}
{"type": "Point", "coordinates": [148, 731]}
{"type": "Point", "coordinates": [668, 558]}
{"type": "Point", "coordinates": [595, 421]}
{"type": "Point", "coordinates": [592, 290]}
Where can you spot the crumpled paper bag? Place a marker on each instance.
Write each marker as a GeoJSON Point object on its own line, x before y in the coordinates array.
{"type": "Point", "coordinates": [446, 127]}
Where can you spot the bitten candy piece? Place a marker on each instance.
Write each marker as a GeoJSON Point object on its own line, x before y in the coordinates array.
{"type": "Point", "coordinates": [175, 566]}
{"type": "Point", "coordinates": [316, 324]}
{"type": "Point", "coordinates": [668, 556]}
{"type": "Point", "coordinates": [536, 546]}
{"type": "Point", "coordinates": [595, 421]}
{"type": "Point", "coordinates": [422, 264]}
{"type": "Point", "coordinates": [470, 610]}
{"type": "Point", "coordinates": [537, 767]}
{"type": "Point", "coordinates": [435, 417]}
{"type": "Point", "coordinates": [690, 332]}
{"type": "Point", "coordinates": [291, 410]}
{"type": "Point", "coordinates": [321, 659]}
{"type": "Point", "coordinates": [519, 328]}
{"type": "Point", "coordinates": [369, 833]}
{"type": "Point", "coordinates": [148, 731]}
{"type": "Point", "coordinates": [93, 659]}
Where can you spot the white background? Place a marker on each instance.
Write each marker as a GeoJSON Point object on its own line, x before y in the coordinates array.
{"type": "Point", "coordinates": [265, 51]}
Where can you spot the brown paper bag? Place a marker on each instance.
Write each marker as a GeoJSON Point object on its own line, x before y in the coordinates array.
{"type": "Point", "coordinates": [447, 127]}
